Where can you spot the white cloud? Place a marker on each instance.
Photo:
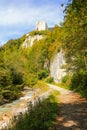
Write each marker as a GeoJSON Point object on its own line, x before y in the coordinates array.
{"type": "Point", "coordinates": [27, 15]}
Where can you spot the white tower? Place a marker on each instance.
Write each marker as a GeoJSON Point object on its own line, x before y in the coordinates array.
{"type": "Point", "coordinates": [41, 25]}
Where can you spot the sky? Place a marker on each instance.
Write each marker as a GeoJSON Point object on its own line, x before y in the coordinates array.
{"type": "Point", "coordinates": [18, 17]}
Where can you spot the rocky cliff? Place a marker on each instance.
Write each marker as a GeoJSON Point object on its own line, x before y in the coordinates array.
{"type": "Point", "coordinates": [29, 41]}
{"type": "Point", "coordinates": [56, 70]}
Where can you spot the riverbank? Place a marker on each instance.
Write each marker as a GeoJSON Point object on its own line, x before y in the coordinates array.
{"type": "Point", "coordinates": [9, 110]}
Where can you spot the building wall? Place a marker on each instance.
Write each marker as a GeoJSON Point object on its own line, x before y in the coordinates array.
{"type": "Point", "coordinates": [41, 26]}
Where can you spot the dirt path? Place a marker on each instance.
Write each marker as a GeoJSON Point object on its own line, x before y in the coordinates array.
{"type": "Point", "coordinates": [73, 111]}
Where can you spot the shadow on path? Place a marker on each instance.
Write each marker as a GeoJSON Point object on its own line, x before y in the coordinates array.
{"type": "Point", "coordinates": [73, 113]}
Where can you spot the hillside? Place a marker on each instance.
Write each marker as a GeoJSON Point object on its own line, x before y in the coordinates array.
{"type": "Point", "coordinates": [45, 55]}
{"type": "Point", "coordinates": [21, 66]}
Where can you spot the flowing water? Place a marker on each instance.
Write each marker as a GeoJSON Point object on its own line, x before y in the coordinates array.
{"type": "Point", "coordinates": [7, 111]}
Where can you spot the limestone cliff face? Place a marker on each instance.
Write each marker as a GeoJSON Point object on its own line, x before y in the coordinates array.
{"type": "Point", "coordinates": [29, 41]}
{"type": "Point", "coordinates": [56, 70]}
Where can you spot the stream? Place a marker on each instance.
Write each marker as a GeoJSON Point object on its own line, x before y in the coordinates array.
{"type": "Point", "coordinates": [7, 111]}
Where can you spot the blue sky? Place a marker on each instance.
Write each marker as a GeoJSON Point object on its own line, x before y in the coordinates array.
{"type": "Point", "coordinates": [18, 17]}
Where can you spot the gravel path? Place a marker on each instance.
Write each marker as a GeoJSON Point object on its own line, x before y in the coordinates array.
{"type": "Point", "coordinates": [73, 111]}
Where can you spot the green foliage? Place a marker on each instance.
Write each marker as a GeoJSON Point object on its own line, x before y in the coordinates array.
{"type": "Point", "coordinates": [17, 77]}
{"type": "Point", "coordinates": [43, 74]}
{"type": "Point", "coordinates": [36, 32]}
{"type": "Point", "coordinates": [79, 82]}
{"type": "Point", "coordinates": [40, 117]}
{"type": "Point", "coordinates": [10, 95]}
{"type": "Point", "coordinates": [37, 56]}
{"type": "Point", "coordinates": [15, 44]}
{"type": "Point", "coordinates": [67, 79]}
{"type": "Point", "coordinates": [76, 81]}
{"type": "Point", "coordinates": [49, 80]}
{"type": "Point", "coordinates": [64, 79]}
{"type": "Point", "coordinates": [12, 69]}
{"type": "Point", "coordinates": [33, 33]}
{"type": "Point", "coordinates": [5, 78]}
{"type": "Point", "coordinates": [75, 29]}
{"type": "Point", "coordinates": [41, 86]}
{"type": "Point", "coordinates": [75, 44]}
{"type": "Point", "coordinates": [1, 58]}
{"type": "Point", "coordinates": [20, 66]}
{"type": "Point", "coordinates": [41, 53]}
{"type": "Point", "coordinates": [31, 79]}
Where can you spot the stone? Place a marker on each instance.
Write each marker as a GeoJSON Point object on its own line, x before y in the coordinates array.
{"type": "Point", "coordinates": [29, 41]}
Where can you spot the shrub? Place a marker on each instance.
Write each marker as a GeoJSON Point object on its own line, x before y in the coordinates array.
{"type": "Point", "coordinates": [31, 79]}
{"type": "Point", "coordinates": [79, 82]}
{"type": "Point", "coordinates": [35, 32]}
{"type": "Point", "coordinates": [10, 95]}
{"type": "Point", "coordinates": [65, 78]}
{"type": "Point", "coordinates": [49, 80]}
{"type": "Point", "coordinates": [17, 78]}
{"type": "Point", "coordinates": [66, 81]}
{"type": "Point", "coordinates": [43, 74]}
{"type": "Point", "coordinates": [40, 117]}
{"type": "Point", "coordinates": [20, 86]}
{"type": "Point", "coordinates": [1, 99]}
{"type": "Point", "coordinates": [5, 78]}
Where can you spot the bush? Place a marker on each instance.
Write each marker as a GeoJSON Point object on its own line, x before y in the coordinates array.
{"type": "Point", "coordinates": [40, 117]}
{"type": "Point", "coordinates": [20, 87]}
{"type": "Point", "coordinates": [33, 33]}
{"type": "Point", "coordinates": [31, 79]}
{"type": "Point", "coordinates": [17, 78]}
{"type": "Point", "coordinates": [10, 95]}
{"type": "Point", "coordinates": [43, 74]}
{"type": "Point", "coordinates": [79, 79]}
{"type": "Point", "coordinates": [49, 80]}
{"type": "Point", "coordinates": [66, 81]}
{"type": "Point", "coordinates": [79, 82]}
{"type": "Point", "coordinates": [1, 99]}
{"type": "Point", "coordinates": [65, 78]}
{"type": "Point", "coordinates": [5, 78]}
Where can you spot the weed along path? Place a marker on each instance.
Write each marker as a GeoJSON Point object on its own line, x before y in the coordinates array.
{"type": "Point", "coordinates": [73, 111]}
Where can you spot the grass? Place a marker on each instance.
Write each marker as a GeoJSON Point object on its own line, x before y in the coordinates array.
{"type": "Point", "coordinates": [41, 86]}
{"type": "Point", "coordinates": [83, 92]}
{"type": "Point", "coordinates": [62, 85]}
{"type": "Point", "coordinates": [41, 116]}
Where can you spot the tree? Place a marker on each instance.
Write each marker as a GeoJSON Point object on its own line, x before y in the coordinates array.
{"type": "Point", "coordinates": [75, 39]}
{"type": "Point", "coordinates": [75, 43]}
